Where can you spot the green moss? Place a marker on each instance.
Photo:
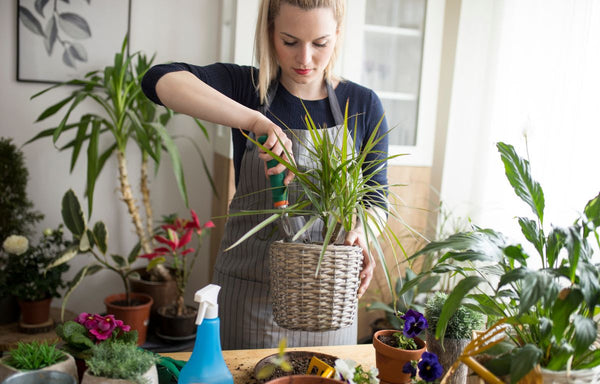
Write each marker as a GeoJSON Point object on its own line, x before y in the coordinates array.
{"type": "Point", "coordinates": [34, 355]}
{"type": "Point", "coordinates": [460, 324]}
{"type": "Point", "coordinates": [117, 360]}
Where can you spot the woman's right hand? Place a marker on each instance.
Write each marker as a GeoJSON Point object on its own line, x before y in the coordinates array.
{"type": "Point", "coordinates": [276, 141]}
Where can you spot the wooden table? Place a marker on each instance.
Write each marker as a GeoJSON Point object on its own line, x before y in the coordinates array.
{"type": "Point", "coordinates": [241, 362]}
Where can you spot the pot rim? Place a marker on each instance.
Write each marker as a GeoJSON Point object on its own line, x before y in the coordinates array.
{"type": "Point", "coordinates": [108, 300]}
{"type": "Point", "coordinates": [390, 351]}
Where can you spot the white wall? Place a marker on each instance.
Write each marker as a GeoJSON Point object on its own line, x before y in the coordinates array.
{"type": "Point", "coordinates": [182, 30]}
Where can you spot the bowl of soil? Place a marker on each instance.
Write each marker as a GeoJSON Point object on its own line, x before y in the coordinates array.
{"type": "Point", "coordinates": [299, 360]}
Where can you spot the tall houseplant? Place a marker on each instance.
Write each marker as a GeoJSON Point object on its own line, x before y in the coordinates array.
{"type": "Point", "coordinates": [336, 193]}
{"type": "Point", "coordinates": [550, 309]}
{"type": "Point", "coordinates": [127, 116]}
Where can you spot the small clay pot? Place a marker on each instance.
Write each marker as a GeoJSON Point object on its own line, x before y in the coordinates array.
{"type": "Point", "coordinates": [35, 312]}
{"type": "Point", "coordinates": [390, 360]}
{"type": "Point", "coordinates": [137, 316]}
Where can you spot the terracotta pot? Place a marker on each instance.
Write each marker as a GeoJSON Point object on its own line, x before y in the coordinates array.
{"type": "Point", "coordinates": [176, 326]}
{"type": "Point", "coordinates": [390, 360]}
{"type": "Point", "coordinates": [151, 377]}
{"type": "Point", "coordinates": [303, 379]}
{"type": "Point", "coordinates": [137, 316]}
{"type": "Point", "coordinates": [66, 366]}
{"type": "Point", "coordinates": [9, 310]}
{"type": "Point", "coordinates": [35, 312]}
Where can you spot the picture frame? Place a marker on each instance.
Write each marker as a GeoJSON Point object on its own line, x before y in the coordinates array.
{"type": "Point", "coordinates": [60, 40]}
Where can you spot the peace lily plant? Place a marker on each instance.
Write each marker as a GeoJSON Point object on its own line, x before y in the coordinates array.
{"type": "Point", "coordinates": [550, 310]}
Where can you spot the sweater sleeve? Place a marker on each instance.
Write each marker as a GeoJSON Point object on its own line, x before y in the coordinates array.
{"type": "Point", "coordinates": [234, 81]}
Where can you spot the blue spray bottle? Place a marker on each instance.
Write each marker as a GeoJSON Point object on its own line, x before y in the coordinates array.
{"type": "Point", "coordinates": [206, 364]}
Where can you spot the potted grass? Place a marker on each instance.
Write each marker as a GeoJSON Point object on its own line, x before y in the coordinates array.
{"type": "Point", "coordinates": [549, 310]}
{"type": "Point", "coordinates": [335, 196]}
{"type": "Point", "coordinates": [177, 320]}
{"type": "Point", "coordinates": [458, 334]}
{"type": "Point", "coordinates": [132, 308]}
{"type": "Point", "coordinates": [26, 277]}
{"type": "Point", "coordinates": [34, 356]}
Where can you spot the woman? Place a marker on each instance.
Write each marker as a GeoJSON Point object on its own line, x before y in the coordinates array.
{"type": "Point", "coordinates": [297, 42]}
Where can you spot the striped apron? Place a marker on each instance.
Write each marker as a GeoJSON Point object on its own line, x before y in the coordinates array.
{"type": "Point", "coordinates": [243, 272]}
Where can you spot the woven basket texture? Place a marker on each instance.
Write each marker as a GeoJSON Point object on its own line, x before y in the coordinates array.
{"type": "Point", "coordinates": [303, 301]}
{"type": "Point", "coordinates": [582, 376]}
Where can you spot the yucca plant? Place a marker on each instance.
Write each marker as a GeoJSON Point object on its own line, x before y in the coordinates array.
{"type": "Point", "coordinates": [336, 189]}
{"type": "Point", "coordinates": [550, 309]}
{"type": "Point", "coordinates": [127, 116]}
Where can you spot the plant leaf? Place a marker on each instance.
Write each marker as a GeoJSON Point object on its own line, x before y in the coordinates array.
{"type": "Point", "coordinates": [564, 306]}
{"type": "Point", "coordinates": [119, 260]}
{"type": "Point", "coordinates": [523, 361]}
{"type": "Point", "coordinates": [532, 233]}
{"type": "Point", "coordinates": [592, 210]}
{"type": "Point", "coordinates": [72, 214]}
{"type": "Point", "coordinates": [175, 160]}
{"type": "Point", "coordinates": [586, 332]}
{"type": "Point", "coordinates": [92, 164]}
{"type": "Point", "coordinates": [453, 302]}
{"type": "Point", "coordinates": [74, 25]}
{"type": "Point", "coordinates": [30, 21]}
{"type": "Point", "coordinates": [101, 236]}
{"type": "Point", "coordinates": [519, 176]}
{"type": "Point", "coordinates": [65, 257]}
{"type": "Point", "coordinates": [133, 254]}
{"type": "Point", "coordinates": [55, 108]}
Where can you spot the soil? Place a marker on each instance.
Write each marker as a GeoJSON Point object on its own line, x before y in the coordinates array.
{"type": "Point", "coordinates": [171, 311]}
{"type": "Point", "coordinates": [299, 362]}
{"type": "Point", "coordinates": [389, 340]}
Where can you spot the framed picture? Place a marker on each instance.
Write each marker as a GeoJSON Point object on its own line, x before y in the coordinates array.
{"type": "Point", "coordinates": [59, 40]}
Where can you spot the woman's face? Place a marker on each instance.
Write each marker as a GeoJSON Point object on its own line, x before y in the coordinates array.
{"type": "Point", "coordinates": [304, 41]}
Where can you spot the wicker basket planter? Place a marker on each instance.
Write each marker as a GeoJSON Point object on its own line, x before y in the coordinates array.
{"type": "Point", "coordinates": [303, 301]}
{"type": "Point", "coordinates": [582, 376]}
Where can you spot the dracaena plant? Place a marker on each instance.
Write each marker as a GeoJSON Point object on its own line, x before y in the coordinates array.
{"type": "Point", "coordinates": [93, 241]}
{"type": "Point", "coordinates": [127, 116]}
{"type": "Point", "coordinates": [550, 309]}
{"type": "Point", "coordinates": [337, 191]}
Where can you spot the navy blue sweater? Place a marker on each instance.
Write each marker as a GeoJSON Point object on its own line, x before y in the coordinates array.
{"type": "Point", "coordinates": [236, 82]}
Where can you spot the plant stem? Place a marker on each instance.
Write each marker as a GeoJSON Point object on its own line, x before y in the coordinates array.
{"type": "Point", "coordinates": [146, 194]}
{"type": "Point", "coordinates": [129, 200]}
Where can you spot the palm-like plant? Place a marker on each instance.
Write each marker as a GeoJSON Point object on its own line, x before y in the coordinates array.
{"type": "Point", "coordinates": [128, 116]}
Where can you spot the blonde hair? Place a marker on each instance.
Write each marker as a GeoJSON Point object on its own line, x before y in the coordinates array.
{"type": "Point", "coordinates": [264, 50]}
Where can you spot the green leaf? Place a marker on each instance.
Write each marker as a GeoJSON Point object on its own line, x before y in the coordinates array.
{"type": "Point", "coordinates": [546, 327]}
{"type": "Point", "coordinates": [586, 332]}
{"type": "Point", "coordinates": [65, 257]}
{"type": "Point", "coordinates": [378, 305]}
{"type": "Point", "coordinates": [487, 305]}
{"type": "Point", "coordinates": [101, 236]}
{"type": "Point", "coordinates": [85, 271]}
{"type": "Point", "coordinates": [175, 160]}
{"type": "Point", "coordinates": [72, 214]}
{"type": "Point", "coordinates": [92, 164]}
{"type": "Point", "coordinates": [519, 176]}
{"type": "Point", "coordinates": [453, 302]}
{"type": "Point", "coordinates": [84, 242]}
{"type": "Point", "coordinates": [513, 275]}
{"type": "Point", "coordinates": [592, 361]}
{"type": "Point", "coordinates": [589, 281]}
{"type": "Point", "coordinates": [562, 310]}
{"type": "Point", "coordinates": [79, 139]}
{"type": "Point", "coordinates": [560, 353]}
{"type": "Point", "coordinates": [535, 287]}
{"type": "Point", "coordinates": [133, 254]}
{"type": "Point", "coordinates": [556, 241]}
{"type": "Point", "coordinates": [515, 252]}
{"type": "Point", "coordinates": [592, 210]}
{"type": "Point", "coordinates": [523, 361]}
{"type": "Point", "coordinates": [156, 261]}
{"type": "Point", "coordinates": [119, 260]}
{"type": "Point", "coordinates": [254, 230]}
{"type": "Point", "coordinates": [477, 245]}
{"type": "Point", "coordinates": [532, 233]}
{"type": "Point", "coordinates": [78, 99]}
{"type": "Point", "coordinates": [55, 108]}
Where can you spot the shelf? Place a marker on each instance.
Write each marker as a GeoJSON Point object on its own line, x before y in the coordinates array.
{"type": "Point", "coordinates": [412, 32]}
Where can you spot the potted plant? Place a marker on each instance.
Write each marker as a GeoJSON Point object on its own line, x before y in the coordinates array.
{"type": "Point", "coordinates": [26, 277]}
{"type": "Point", "coordinates": [17, 216]}
{"type": "Point", "coordinates": [87, 330]}
{"type": "Point", "coordinates": [336, 196]}
{"type": "Point", "coordinates": [393, 348]}
{"type": "Point", "coordinates": [127, 116]}
{"type": "Point", "coordinates": [458, 333]}
{"type": "Point", "coordinates": [427, 370]}
{"type": "Point", "coordinates": [549, 309]}
{"type": "Point", "coordinates": [115, 362]}
{"type": "Point", "coordinates": [177, 319]}
{"type": "Point", "coordinates": [36, 356]}
{"type": "Point", "coordinates": [132, 308]}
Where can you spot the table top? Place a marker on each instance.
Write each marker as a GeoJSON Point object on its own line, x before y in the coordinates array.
{"type": "Point", "coordinates": [241, 362]}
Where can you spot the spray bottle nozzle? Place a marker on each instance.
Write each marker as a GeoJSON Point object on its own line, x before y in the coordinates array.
{"type": "Point", "coordinates": [207, 297]}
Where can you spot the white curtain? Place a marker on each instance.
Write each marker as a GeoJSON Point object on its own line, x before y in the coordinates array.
{"type": "Point", "coordinates": [524, 67]}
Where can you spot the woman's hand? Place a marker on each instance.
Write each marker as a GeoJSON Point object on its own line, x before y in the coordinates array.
{"type": "Point", "coordinates": [357, 237]}
{"type": "Point", "coordinates": [276, 141]}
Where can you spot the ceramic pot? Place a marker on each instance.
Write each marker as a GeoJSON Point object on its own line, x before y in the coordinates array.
{"type": "Point", "coordinates": [176, 326]}
{"type": "Point", "coordinates": [66, 366]}
{"type": "Point", "coordinates": [390, 360]}
{"type": "Point", "coordinates": [35, 377]}
{"type": "Point", "coordinates": [137, 316]}
{"type": "Point", "coordinates": [303, 379]}
{"type": "Point", "coordinates": [580, 376]}
{"type": "Point", "coordinates": [162, 292]}
{"type": "Point", "coordinates": [9, 310]}
{"type": "Point", "coordinates": [448, 355]}
{"type": "Point", "coordinates": [35, 312]}
{"type": "Point", "coordinates": [151, 377]}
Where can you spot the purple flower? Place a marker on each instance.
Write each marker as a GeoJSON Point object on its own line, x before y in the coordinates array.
{"type": "Point", "coordinates": [409, 368]}
{"type": "Point", "coordinates": [414, 323]}
{"type": "Point", "coordinates": [430, 368]}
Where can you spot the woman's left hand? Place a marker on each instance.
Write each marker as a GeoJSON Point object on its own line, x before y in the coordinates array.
{"type": "Point", "coordinates": [357, 237]}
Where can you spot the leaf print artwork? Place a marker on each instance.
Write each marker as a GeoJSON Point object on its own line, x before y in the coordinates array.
{"type": "Point", "coordinates": [61, 26]}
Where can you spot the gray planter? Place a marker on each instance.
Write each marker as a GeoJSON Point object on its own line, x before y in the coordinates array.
{"type": "Point", "coordinates": [447, 356]}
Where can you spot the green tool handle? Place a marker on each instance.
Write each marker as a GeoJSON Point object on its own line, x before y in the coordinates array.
{"type": "Point", "coordinates": [279, 191]}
